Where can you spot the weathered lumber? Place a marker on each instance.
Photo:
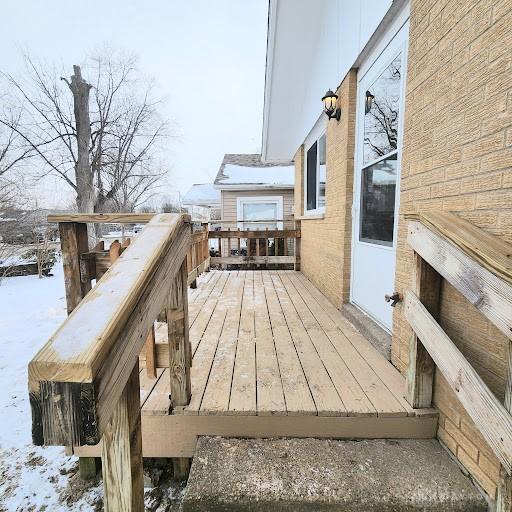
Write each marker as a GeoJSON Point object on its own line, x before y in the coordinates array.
{"type": "Point", "coordinates": [488, 291]}
{"type": "Point", "coordinates": [504, 497]}
{"type": "Point", "coordinates": [74, 242]}
{"type": "Point", "coordinates": [103, 218]}
{"type": "Point", "coordinates": [297, 246]}
{"type": "Point", "coordinates": [151, 353]}
{"type": "Point", "coordinates": [491, 252]}
{"type": "Point", "coordinates": [270, 233]}
{"type": "Point", "coordinates": [121, 453]}
{"type": "Point", "coordinates": [77, 378]}
{"type": "Point", "coordinates": [420, 373]}
{"type": "Point", "coordinates": [249, 260]}
{"type": "Point", "coordinates": [180, 352]}
{"type": "Point", "coordinates": [489, 415]}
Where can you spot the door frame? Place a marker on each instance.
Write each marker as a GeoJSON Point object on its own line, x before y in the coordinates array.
{"type": "Point", "coordinates": [393, 41]}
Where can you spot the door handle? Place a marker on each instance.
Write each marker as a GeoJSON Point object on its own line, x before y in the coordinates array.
{"type": "Point", "coordinates": [395, 298]}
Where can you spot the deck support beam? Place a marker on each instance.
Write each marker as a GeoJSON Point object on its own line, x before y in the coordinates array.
{"type": "Point", "coordinates": [122, 452]}
{"type": "Point", "coordinates": [420, 373]}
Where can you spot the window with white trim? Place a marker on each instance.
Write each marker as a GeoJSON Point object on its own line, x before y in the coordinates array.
{"type": "Point", "coordinates": [260, 212]}
{"type": "Point", "coordinates": [315, 176]}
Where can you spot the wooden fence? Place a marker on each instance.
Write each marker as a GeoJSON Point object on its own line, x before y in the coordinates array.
{"type": "Point", "coordinates": [479, 266]}
{"type": "Point", "coordinates": [84, 382]}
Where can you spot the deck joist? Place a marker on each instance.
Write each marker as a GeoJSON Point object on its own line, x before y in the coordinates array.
{"type": "Point", "coordinates": [273, 357]}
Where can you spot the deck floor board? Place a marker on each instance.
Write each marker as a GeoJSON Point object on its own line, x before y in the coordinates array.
{"type": "Point", "coordinates": [269, 343]}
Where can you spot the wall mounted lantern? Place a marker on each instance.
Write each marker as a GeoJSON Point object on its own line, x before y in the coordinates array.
{"type": "Point", "coordinates": [331, 108]}
{"type": "Point", "coordinates": [368, 102]}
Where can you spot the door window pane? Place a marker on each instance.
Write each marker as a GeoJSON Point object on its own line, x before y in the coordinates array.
{"type": "Point", "coordinates": [321, 171]}
{"type": "Point", "coordinates": [378, 184]}
{"type": "Point", "coordinates": [381, 118]}
{"type": "Point", "coordinates": [311, 177]}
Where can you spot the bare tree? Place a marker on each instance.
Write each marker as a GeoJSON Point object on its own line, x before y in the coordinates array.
{"type": "Point", "coordinates": [106, 147]}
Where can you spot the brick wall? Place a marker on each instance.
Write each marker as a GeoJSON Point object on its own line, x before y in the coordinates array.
{"type": "Point", "coordinates": [326, 241]}
{"type": "Point", "coordinates": [457, 157]}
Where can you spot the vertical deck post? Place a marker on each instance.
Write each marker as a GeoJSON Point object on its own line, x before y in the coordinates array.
{"type": "Point", "coordinates": [151, 353]}
{"type": "Point", "coordinates": [180, 355]}
{"type": "Point", "coordinates": [122, 452]}
{"type": "Point", "coordinates": [297, 245]}
{"type": "Point", "coordinates": [74, 242]}
{"type": "Point", "coordinates": [420, 373]}
{"type": "Point", "coordinates": [504, 498]}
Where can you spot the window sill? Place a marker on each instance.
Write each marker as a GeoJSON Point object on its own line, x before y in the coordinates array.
{"type": "Point", "coordinates": [312, 216]}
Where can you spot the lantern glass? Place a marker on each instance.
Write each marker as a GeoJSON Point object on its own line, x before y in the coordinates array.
{"type": "Point", "coordinates": [330, 100]}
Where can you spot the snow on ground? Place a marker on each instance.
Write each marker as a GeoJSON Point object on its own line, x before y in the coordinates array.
{"type": "Point", "coordinates": [40, 478]}
{"type": "Point", "coordinates": [31, 478]}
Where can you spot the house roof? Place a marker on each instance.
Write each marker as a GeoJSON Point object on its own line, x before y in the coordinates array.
{"type": "Point", "coordinates": [202, 194]}
{"type": "Point", "coordinates": [248, 171]}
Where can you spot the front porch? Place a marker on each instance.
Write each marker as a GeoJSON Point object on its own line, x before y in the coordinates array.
{"type": "Point", "coordinates": [272, 357]}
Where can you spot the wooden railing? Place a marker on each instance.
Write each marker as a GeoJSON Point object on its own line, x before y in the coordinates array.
{"type": "Point", "coordinates": [198, 257]}
{"type": "Point", "coordinates": [84, 382]}
{"type": "Point", "coordinates": [479, 266]}
{"type": "Point", "coordinates": [257, 247]}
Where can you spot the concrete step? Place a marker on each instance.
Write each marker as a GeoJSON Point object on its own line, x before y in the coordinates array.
{"type": "Point", "coordinates": [325, 475]}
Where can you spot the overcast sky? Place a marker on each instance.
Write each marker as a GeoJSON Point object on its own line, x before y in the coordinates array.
{"type": "Point", "coordinates": [206, 56]}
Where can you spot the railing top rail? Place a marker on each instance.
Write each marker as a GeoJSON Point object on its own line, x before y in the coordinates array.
{"type": "Point", "coordinates": [103, 218]}
{"type": "Point", "coordinates": [255, 233]}
{"type": "Point", "coordinates": [488, 250]}
{"type": "Point", "coordinates": [99, 342]}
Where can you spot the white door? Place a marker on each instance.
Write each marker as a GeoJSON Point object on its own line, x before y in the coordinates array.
{"type": "Point", "coordinates": [377, 173]}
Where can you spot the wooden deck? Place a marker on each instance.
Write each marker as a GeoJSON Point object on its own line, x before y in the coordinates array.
{"type": "Point", "coordinates": [273, 357]}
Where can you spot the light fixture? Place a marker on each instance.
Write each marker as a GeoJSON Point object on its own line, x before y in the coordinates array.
{"type": "Point", "coordinates": [331, 108]}
{"type": "Point", "coordinates": [368, 102]}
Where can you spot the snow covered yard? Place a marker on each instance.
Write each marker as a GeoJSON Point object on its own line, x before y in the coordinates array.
{"type": "Point", "coordinates": [34, 478]}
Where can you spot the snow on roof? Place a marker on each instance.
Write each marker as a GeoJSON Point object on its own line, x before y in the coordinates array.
{"type": "Point", "coordinates": [270, 176]}
{"type": "Point", "coordinates": [248, 169]}
{"type": "Point", "coordinates": [202, 194]}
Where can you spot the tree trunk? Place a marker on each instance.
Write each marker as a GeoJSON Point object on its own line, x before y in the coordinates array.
{"type": "Point", "coordinates": [83, 172]}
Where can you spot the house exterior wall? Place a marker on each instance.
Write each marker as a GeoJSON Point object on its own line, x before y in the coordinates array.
{"type": "Point", "coordinates": [457, 157]}
{"type": "Point", "coordinates": [326, 239]}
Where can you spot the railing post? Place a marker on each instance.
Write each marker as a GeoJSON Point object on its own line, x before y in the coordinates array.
{"type": "Point", "coordinates": [73, 242]}
{"type": "Point", "coordinates": [180, 355]}
{"type": "Point", "coordinates": [150, 351]}
{"type": "Point", "coordinates": [297, 245]}
{"type": "Point", "coordinates": [504, 498]}
{"type": "Point", "coordinates": [420, 373]}
{"type": "Point", "coordinates": [121, 454]}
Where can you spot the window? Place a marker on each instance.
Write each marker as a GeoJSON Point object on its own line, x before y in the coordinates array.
{"type": "Point", "coordinates": [380, 153]}
{"type": "Point", "coordinates": [316, 173]}
{"type": "Point", "coordinates": [260, 212]}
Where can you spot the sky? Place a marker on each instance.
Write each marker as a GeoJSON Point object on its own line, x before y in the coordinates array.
{"type": "Point", "coordinates": [207, 59]}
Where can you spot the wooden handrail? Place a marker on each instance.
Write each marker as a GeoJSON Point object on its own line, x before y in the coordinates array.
{"type": "Point", "coordinates": [77, 378]}
{"type": "Point", "coordinates": [264, 233]}
{"type": "Point", "coordinates": [103, 218]}
{"type": "Point", "coordinates": [486, 411]}
{"type": "Point", "coordinates": [479, 266]}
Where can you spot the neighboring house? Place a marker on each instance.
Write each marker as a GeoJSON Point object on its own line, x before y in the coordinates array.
{"type": "Point", "coordinates": [425, 125]}
{"type": "Point", "coordinates": [202, 201]}
{"type": "Point", "coordinates": [255, 195]}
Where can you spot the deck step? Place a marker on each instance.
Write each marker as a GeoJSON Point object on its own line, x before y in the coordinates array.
{"type": "Point", "coordinates": [309, 474]}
